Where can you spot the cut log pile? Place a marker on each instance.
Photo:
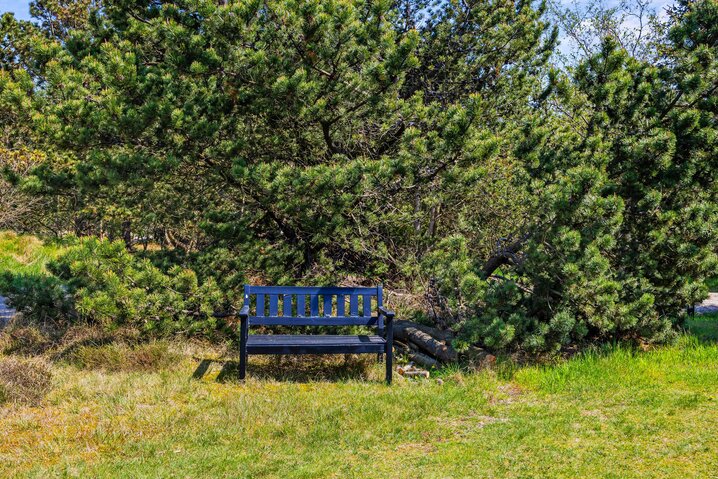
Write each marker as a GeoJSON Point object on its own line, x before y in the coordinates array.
{"type": "Point", "coordinates": [430, 347]}
{"type": "Point", "coordinates": [426, 346]}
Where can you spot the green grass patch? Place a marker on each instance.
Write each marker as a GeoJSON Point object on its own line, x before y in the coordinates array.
{"type": "Point", "coordinates": [25, 255]}
{"type": "Point", "coordinates": [704, 326]}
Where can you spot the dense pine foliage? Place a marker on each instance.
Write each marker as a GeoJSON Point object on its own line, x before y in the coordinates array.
{"type": "Point", "coordinates": [432, 146]}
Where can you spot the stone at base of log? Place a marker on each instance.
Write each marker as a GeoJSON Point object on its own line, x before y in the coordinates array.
{"type": "Point", "coordinates": [480, 357]}
{"type": "Point", "coordinates": [409, 371]}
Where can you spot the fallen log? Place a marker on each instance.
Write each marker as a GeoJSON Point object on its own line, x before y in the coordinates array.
{"type": "Point", "coordinates": [420, 336]}
{"type": "Point", "coordinates": [436, 333]}
{"type": "Point", "coordinates": [411, 351]}
{"type": "Point", "coordinates": [423, 360]}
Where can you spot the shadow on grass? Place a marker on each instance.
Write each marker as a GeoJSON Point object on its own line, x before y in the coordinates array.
{"type": "Point", "coordinates": [298, 368]}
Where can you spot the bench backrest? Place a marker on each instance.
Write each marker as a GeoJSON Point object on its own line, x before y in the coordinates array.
{"type": "Point", "coordinates": [313, 306]}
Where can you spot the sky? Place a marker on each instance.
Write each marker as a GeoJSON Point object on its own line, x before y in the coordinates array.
{"type": "Point", "coordinates": [21, 9]}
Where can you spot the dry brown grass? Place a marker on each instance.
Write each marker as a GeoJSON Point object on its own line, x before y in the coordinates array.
{"type": "Point", "coordinates": [24, 340]}
{"type": "Point", "coordinates": [90, 347]}
{"type": "Point", "coordinates": [89, 336]}
{"type": "Point", "coordinates": [24, 381]}
{"type": "Point", "coordinates": [154, 356]}
{"type": "Point", "coordinates": [590, 416]}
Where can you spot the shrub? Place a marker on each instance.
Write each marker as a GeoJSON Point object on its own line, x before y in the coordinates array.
{"type": "Point", "coordinates": [100, 282]}
{"type": "Point", "coordinates": [24, 381]}
{"type": "Point", "coordinates": [113, 288]}
{"type": "Point", "coordinates": [217, 264]}
{"type": "Point", "coordinates": [39, 298]}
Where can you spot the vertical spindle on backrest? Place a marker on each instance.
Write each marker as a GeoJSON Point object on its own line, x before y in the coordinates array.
{"type": "Point", "coordinates": [379, 302]}
{"type": "Point", "coordinates": [367, 305]}
{"type": "Point", "coordinates": [327, 308]}
{"type": "Point", "coordinates": [314, 305]}
{"type": "Point", "coordinates": [287, 305]}
{"type": "Point", "coordinates": [260, 305]}
{"type": "Point", "coordinates": [340, 305]}
{"type": "Point", "coordinates": [301, 305]}
{"type": "Point", "coordinates": [354, 305]}
{"type": "Point", "coordinates": [273, 305]}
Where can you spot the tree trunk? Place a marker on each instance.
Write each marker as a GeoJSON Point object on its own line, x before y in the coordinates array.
{"type": "Point", "coordinates": [127, 234]}
{"type": "Point", "coordinates": [504, 256]}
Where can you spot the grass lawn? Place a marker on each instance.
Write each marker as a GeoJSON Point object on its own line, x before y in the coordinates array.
{"type": "Point", "coordinates": [615, 413]}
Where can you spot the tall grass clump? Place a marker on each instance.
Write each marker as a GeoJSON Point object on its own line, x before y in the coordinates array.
{"type": "Point", "coordinates": [153, 356]}
{"type": "Point", "coordinates": [24, 381]}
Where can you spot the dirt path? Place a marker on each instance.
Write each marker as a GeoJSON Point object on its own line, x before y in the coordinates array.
{"type": "Point", "coordinates": [710, 305]}
{"type": "Point", "coordinates": [6, 313]}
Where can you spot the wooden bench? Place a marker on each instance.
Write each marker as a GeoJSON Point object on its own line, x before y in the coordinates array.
{"type": "Point", "coordinates": [314, 306]}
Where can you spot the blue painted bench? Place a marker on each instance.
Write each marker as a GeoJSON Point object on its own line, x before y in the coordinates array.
{"type": "Point", "coordinates": [314, 306]}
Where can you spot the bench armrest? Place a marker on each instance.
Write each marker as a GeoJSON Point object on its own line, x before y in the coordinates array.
{"type": "Point", "coordinates": [244, 313]}
{"type": "Point", "coordinates": [386, 313]}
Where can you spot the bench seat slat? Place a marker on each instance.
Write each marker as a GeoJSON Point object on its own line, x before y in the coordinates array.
{"type": "Point", "coordinates": [313, 344]}
{"type": "Point", "coordinates": [313, 338]}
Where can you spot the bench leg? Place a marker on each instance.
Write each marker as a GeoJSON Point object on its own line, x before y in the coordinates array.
{"type": "Point", "coordinates": [243, 350]}
{"type": "Point", "coordinates": [242, 366]}
{"type": "Point", "coordinates": [380, 358]}
{"type": "Point", "coordinates": [389, 353]}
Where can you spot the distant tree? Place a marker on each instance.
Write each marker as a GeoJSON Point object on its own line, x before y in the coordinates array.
{"type": "Point", "coordinates": [634, 25]}
{"type": "Point", "coordinates": [60, 17]}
